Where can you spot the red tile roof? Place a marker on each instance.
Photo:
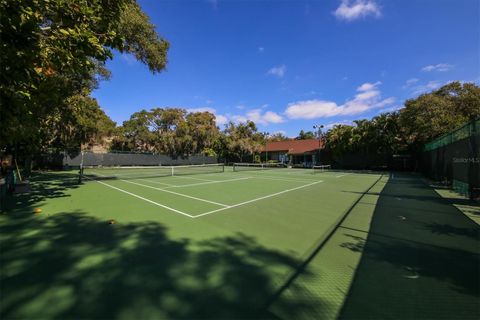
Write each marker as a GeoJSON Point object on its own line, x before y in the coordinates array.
{"type": "Point", "coordinates": [293, 146]}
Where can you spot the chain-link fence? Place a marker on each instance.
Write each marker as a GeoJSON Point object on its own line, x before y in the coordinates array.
{"type": "Point", "coordinates": [118, 159]}
{"type": "Point", "coordinates": [455, 159]}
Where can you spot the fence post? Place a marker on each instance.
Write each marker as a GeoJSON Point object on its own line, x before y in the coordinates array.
{"type": "Point", "coordinates": [474, 162]}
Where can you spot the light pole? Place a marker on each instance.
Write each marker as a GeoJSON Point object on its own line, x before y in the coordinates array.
{"type": "Point", "coordinates": [319, 128]}
{"type": "Point", "coordinates": [265, 136]}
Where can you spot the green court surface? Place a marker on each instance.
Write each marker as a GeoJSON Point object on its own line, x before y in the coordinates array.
{"type": "Point", "coordinates": [274, 244]}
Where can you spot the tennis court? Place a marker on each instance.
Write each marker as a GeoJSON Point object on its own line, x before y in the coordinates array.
{"type": "Point", "coordinates": [198, 191]}
{"type": "Point", "coordinates": [203, 241]}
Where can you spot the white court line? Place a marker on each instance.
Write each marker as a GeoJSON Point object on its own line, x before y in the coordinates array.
{"type": "Point", "coordinates": [301, 171]}
{"type": "Point", "coordinates": [323, 174]}
{"type": "Point", "coordinates": [342, 175]}
{"type": "Point", "coordinates": [144, 199]}
{"type": "Point", "coordinates": [209, 182]}
{"type": "Point", "coordinates": [282, 179]}
{"type": "Point", "coordinates": [178, 194]}
{"type": "Point", "coordinates": [157, 182]}
{"type": "Point", "coordinates": [256, 199]}
{"type": "Point", "coordinates": [188, 177]}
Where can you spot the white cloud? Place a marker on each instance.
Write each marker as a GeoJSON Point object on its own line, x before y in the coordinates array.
{"type": "Point", "coordinates": [221, 119]}
{"type": "Point", "coordinates": [330, 125]}
{"type": "Point", "coordinates": [368, 97]}
{"type": "Point", "coordinates": [391, 109]}
{"type": "Point", "coordinates": [384, 102]}
{"type": "Point", "coordinates": [272, 117]}
{"type": "Point", "coordinates": [311, 109]}
{"type": "Point", "coordinates": [202, 109]}
{"type": "Point", "coordinates": [352, 10]}
{"type": "Point", "coordinates": [410, 82]}
{"type": "Point", "coordinates": [441, 67]}
{"type": "Point", "coordinates": [278, 71]}
{"type": "Point", "coordinates": [238, 118]}
{"type": "Point", "coordinates": [261, 49]}
{"type": "Point", "coordinates": [368, 86]}
{"type": "Point", "coordinates": [431, 85]}
{"type": "Point", "coordinates": [257, 116]}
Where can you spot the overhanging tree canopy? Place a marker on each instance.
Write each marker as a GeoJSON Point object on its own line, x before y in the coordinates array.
{"type": "Point", "coordinates": [52, 50]}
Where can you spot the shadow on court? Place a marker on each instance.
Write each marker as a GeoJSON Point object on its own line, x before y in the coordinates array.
{"type": "Point", "coordinates": [421, 259]}
{"type": "Point", "coordinates": [71, 265]}
{"type": "Point", "coordinates": [44, 186]}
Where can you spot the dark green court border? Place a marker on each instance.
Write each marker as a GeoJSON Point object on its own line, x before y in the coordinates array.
{"type": "Point", "coordinates": [421, 259]}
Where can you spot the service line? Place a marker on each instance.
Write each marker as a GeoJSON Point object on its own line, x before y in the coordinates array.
{"type": "Point", "coordinates": [256, 199]}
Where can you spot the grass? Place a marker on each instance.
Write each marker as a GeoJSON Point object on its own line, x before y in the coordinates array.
{"type": "Point", "coordinates": [223, 245]}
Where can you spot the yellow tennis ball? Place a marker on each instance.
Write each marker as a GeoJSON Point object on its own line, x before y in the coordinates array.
{"type": "Point", "coordinates": [37, 210]}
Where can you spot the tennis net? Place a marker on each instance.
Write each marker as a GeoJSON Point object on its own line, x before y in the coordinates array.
{"type": "Point", "coordinates": [256, 166]}
{"type": "Point", "coordinates": [321, 168]}
{"type": "Point", "coordinates": [137, 172]}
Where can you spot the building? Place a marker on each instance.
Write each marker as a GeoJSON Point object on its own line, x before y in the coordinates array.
{"type": "Point", "coordinates": [303, 153]}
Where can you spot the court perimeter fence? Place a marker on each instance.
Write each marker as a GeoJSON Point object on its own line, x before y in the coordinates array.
{"type": "Point", "coordinates": [63, 160]}
{"type": "Point", "coordinates": [454, 159]}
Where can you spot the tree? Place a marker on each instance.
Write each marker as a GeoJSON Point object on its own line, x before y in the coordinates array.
{"type": "Point", "coordinates": [465, 97]}
{"type": "Point", "coordinates": [434, 114]}
{"type": "Point", "coordinates": [170, 131]}
{"type": "Point", "coordinates": [378, 135]}
{"type": "Point", "coordinates": [54, 50]}
{"type": "Point", "coordinates": [421, 120]}
{"type": "Point", "coordinates": [241, 140]}
{"type": "Point", "coordinates": [339, 139]}
{"type": "Point", "coordinates": [278, 137]}
{"type": "Point", "coordinates": [305, 135]}
{"type": "Point", "coordinates": [203, 130]}
{"type": "Point", "coordinates": [135, 134]}
{"type": "Point", "coordinates": [85, 123]}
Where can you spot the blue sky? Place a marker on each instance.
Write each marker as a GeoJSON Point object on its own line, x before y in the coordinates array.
{"type": "Point", "coordinates": [288, 65]}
